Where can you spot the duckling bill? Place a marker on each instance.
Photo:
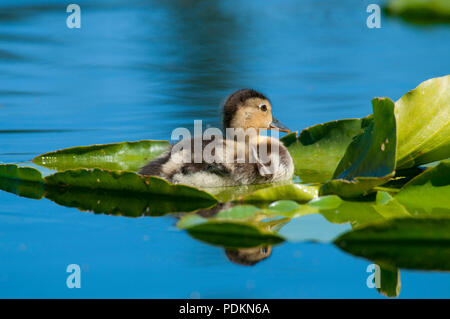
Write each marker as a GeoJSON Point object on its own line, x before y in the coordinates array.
{"type": "Point", "coordinates": [245, 111]}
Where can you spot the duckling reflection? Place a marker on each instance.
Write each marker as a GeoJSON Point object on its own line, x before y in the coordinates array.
{"type": "Point", "coordinates": [248, 256]}
{"type": "Point", "coordinates": [242, 256]}
{"type": "Point", "coordinates": [248, 111]}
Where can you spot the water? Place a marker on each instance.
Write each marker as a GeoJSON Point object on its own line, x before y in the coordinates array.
{"type": "Point", "coordinates": [137, 70]}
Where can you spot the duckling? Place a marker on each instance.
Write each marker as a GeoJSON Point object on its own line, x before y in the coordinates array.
{"type": "Point", "coordinates": [232, 160]}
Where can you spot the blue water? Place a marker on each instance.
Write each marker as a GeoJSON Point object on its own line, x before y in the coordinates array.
{"type": "Point", "coordinates": [137, 70]}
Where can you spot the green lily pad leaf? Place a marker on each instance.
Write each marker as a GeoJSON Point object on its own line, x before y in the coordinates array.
{"type": "Point", "coordinates": [355, 213]}
{"type": "Point", "coordinates": [390, 207]}
{"type": "Point", "coordinates": [232, 234]}
{"type": "Point", "coordinates": [420, 11]}
{"type": "Point", "coordinates": [429, 189]}
{"type": "Point", "coordinates": [372, 154]}
{"type": "Point", "coordinates": [370, 159]}
{"type": "Point", "coordinates": [423, 123]}
{"type": "Point", "coordinates": [289, 209]}
{"type": "Point", "coordinates": [117, 156]}
{"type": "Point", "coordinates": [362, 213]}
{"type": "Point", "coordinates": [297, 192]}
{"type": "Point", "coordinates": [126, 182]}
{"type": "Point", "coordinates": [283, 207]}
{"type": "Point", "coordinates": [238, 212]}
{"type": "Point", "coordinates": [22, 181]}
{"type": "Point", "coordinates": [421, 243]}
{"type": "Point", "coordinates": [326, 202]}
{"type": "Point", "coordinates": [318, 149]}
{"type": "Point", "coordinates": [14, 172]}
{"type": "Point", "coordinates": [359, 186]}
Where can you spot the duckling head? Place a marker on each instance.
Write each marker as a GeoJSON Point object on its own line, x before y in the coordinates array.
{"type": "Point", "coordinates": [248, 108]}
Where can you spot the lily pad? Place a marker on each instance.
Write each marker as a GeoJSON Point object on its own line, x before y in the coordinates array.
{"type": "Point", "coordinates": [317, 150]}
{"type": "Point", "coordinates": [238, 212]}
{"type": "Point", "coordinates": [431, 188]}
{"type": "Point", "coordinates": [370, 158]}
{"type": "Point", "coordinates": [14, 172]}
{"type": "Point", "coordinates": [117, 156]}
{"type": "Point", "coordinates": [22, 181]}
{"type": "Point", "coordinates": [326, 202]}
{"type": "Point", "coordinates": [289, 208]}
{"type": "Point", "coordinates": [283, 207]}
{"type": "Point", "coordinates": [423, 123]}
{"type": "Point", "coordinates": [297, 192]}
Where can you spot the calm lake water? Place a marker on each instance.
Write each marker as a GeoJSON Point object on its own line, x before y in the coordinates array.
{"type": "Point", "coordinates": [137, 70]}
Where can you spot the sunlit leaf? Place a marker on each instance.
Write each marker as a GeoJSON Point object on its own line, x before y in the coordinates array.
{"type": "Point", "coordinates": [317, 150]}
{"type": "Point", "coordinates": [283, 206]}
{"type": "Point", "coordinates": [238, 212]}
{"type": "Point", "coordinates": [22, 181]}
{"type": "Point", "coordinates": [370, 158]}
{"type": "Point", "coordinates": [423, 123]}
{"type": "Point", "coordinates": [297, 192]}
{"type": "Point", "coordinates": [431, 189]}
{"type": "Point", "coordinates": [326, 202]}
{"type": "Point", "coordinates": [117, 156]}
{"type": "Point", "coordinates": [14, 172]}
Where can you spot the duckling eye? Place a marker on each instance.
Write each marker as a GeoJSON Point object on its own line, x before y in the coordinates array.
{"type": "Point", "coordinates": [263, 107]}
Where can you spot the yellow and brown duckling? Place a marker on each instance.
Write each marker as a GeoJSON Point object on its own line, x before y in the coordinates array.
{"type": "Point", "coordinates": [231, 160]}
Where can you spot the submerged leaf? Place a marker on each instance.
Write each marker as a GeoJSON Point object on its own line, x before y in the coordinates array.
{"type": "Point", "coordinates": [117, 156]}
